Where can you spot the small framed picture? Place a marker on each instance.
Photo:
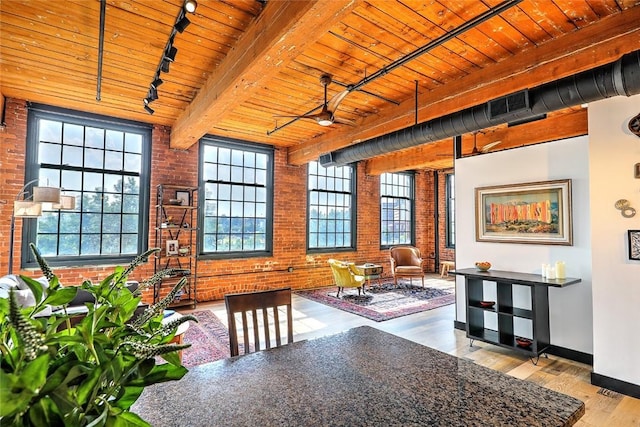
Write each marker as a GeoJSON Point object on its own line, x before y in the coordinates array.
{"type": "Point", "coordinates": [634, 245]}
{"type": "Point", "coordinates": [184, 198]}
{"type": "Point", "coordinates": [172, 247]}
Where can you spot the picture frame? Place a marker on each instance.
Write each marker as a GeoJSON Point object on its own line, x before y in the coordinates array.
{"type": "Point", "coordinates": [172, 247]}
{"type": "Point", "coordinates": [532, 213]}
{"type": "Point", "coordinates": [634, 244]}
{"type": "Point", "coordinates": [184, 197]}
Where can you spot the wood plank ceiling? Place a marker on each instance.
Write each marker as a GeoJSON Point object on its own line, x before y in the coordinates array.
{"type": "Point", "coordinates": [241, 63]}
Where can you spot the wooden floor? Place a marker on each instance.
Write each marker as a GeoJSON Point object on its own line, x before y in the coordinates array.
{"type": "Point", "coordinates": [434, 328]}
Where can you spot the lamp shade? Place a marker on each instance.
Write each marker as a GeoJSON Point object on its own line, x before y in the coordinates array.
{"type": "Point", "coordinates": [26, 209]}
{"type": "Point", "coordinates": [67, 203]}
{"type": "Point", "coordinates": [46, 194]}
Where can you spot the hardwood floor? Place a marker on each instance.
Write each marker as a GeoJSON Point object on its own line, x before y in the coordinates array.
{"type": "Point", "coordinates": [435, 329]}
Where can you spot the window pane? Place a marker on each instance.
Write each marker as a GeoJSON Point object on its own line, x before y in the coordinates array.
{"type": "Point", "coordinates": [93, 159]}
{"type": "Point", "coordinates": [115, 140]}
{"type": "Point", "coordinates": [73, 135]}
{"type": "Point", "coordinates": [80, 154]}
{"type": "Point", "coordinates": [132, 162]}
{"type": "Point", "coordinates": [69, 244]}
{"type": "Point", "coordinates": [113, 160]}
{"type": "Point", "coordinates": [72, 156]}
{"type": "Point", "coordinates": [49, 153]}
{"type": "Point", "coordinates": [94, 138]}
{"type": "Point", "coordinates": [329, 199]}
{"type": "Point", "coordinates": [235, 200]}
{"type": "Point", "coordinates": [133, 143]}
{"type": "Point", "coordinates": [50, 131]}
{"type": "Point", "coordinates": [396, 209]}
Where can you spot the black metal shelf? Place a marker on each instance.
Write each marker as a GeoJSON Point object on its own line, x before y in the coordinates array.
{"type": "Point", "coordinates": [185, 236]}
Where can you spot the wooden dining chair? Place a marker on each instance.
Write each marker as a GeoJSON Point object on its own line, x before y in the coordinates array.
{"type": "Point", "coordinates": [266, 302]}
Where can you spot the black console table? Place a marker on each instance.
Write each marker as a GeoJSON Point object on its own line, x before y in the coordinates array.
{"type": "Point", "coordinates": [477, 307]}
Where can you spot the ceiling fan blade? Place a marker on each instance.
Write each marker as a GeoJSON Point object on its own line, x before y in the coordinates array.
{"type": "Point", "coordinates": [287, 117]}
{"type": "Point", "coordinates": [344, 121]}
{"type": "Point", "coordinates": [304, 116]}
{"type": "Point", "coordinates": [489, 146]}
{"type": "Point", "coordinates": [332, 105]}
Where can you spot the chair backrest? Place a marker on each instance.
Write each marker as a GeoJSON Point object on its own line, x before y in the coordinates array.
{"type": "Point", "coordinates": [266, 302]}
{"type": "Point", "coordinates": [341, 273]}
{"type": "Point", "coordinates": [405, 255]}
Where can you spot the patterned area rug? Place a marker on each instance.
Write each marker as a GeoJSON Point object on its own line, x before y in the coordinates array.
{"type": "Point", "coordinates": [385, 301]}
{"type": "Point", "coordinates": [209, 339]}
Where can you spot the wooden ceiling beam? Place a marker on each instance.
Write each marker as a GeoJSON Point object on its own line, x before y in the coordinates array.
{"type": "Point", "coordinates": [281, 31]}
{"type": "Point", "coordinates": [594, 45]}
{"type": "Point", "coordinates": [439, 154]}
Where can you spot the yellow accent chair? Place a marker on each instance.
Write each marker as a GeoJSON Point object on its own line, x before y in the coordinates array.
{"type": "Point", "coordinates": [346, 275]}
{"type": "Point", "coordinates": [406, 262]}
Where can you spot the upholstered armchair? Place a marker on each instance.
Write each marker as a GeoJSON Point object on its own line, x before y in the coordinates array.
{"type": "Point", "coordinates": [406, 262]}
{"type": "Point", "coordinates": [346, 275]}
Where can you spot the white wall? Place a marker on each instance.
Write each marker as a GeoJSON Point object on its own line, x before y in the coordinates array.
{"type": "Point", "coordinates": [570, 308]}
{"type": "Point", "coordinates": [614, 151]}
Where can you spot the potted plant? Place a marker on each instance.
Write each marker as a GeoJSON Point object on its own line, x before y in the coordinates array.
{"type": "Point", "coordinates": [59, 370]}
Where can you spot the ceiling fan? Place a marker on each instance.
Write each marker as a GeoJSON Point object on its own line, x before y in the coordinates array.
{"type": "Point", "coordinates": [484, 149]}
{"type": "Point", "coordinates": [326, 116]}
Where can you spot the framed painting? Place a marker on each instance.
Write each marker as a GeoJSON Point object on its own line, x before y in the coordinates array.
{"type": "Point", "coordinates": [184, 197]}
{"type": "Point", "coordinates": [634, 245]}
{"type": "Point", "coordinates": [172, 247]}
{"type": "Point", "coordinates": [536, 212]}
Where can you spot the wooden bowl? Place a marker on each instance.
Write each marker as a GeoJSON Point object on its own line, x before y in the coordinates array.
{"type": "Point", "coordinates": [483, 265]}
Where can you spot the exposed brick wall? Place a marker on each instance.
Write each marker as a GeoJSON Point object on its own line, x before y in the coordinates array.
{"type": "Point", "coordinates": [446, 254]}
{"type": "Point", "coordinates": [425, 218]}
{"type": "Point", "coordinates": [12, 156]}
{"type": "Point", "coordinates": [217, 277]}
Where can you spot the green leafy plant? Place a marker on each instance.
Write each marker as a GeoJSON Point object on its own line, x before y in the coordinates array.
{"type": "Point", "coordinates": [84, 371]}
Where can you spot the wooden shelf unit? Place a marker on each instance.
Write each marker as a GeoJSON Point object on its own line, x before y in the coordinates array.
{"type": "Point", "coordinates": [504, 312]}
{"type": "Point", "coordinates": [183, 230]}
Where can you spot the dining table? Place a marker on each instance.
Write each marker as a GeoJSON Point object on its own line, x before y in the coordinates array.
{"type": "Point", "coordinates": [360, 377]}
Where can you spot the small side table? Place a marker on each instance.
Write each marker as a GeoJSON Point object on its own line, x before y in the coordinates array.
{"type": "Point", "coordinates": [446, 267]}
{"type": "Point", "coordinates": [370, 271]}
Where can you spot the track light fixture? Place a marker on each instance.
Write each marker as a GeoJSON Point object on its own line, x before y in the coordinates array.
{"type": "Point", "coordinates": [169, 53]}
{"type": "Point", "coordinates": [182, 24]}
{"type": "Point", "coordinates": [157, 82]}
{"type": "Point", "coordinates": [152, 94]}
{"type": "Point", "coordinates": [190, 6]}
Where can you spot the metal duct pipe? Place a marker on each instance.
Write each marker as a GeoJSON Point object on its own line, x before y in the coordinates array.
{"type": "Point", "coordinates": [621, 77]}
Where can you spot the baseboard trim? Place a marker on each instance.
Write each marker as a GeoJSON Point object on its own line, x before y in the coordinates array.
{"type": "Point", "coordinates": [576, 356]}
{"type": "Point", "coordinates": [567, 353]}
{"type": "Point", "coordinates": [613, 384]}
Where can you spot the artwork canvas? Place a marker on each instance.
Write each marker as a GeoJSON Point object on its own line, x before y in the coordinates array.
{"type": "Point", "coordinates": [634, 244]}
{"type": "Point", "coordinates": [172, 247]}
{"type": "Point", "coordinates": [537, 212]}
{"type": "Point", "coordinates": [184, 198]}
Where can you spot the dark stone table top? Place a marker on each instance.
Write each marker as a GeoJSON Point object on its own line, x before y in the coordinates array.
{"type": "Point", "coordinates": [361, 377]}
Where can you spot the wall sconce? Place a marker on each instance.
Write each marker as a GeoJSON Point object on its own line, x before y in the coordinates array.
{"type": "Point", "coordinates": [169, 53]}
{"type": "Point", "coordinates": [624, 206]}
{"type": "Point", "coordinates": [33, 208]}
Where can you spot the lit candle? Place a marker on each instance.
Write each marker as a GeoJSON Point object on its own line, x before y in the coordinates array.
{"type": "Point", "coordinates": [560, 270]}
{"type": "Point", "coordinates": [551, 274]}
{"type": "Point", "coordinates": [544, 270]}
